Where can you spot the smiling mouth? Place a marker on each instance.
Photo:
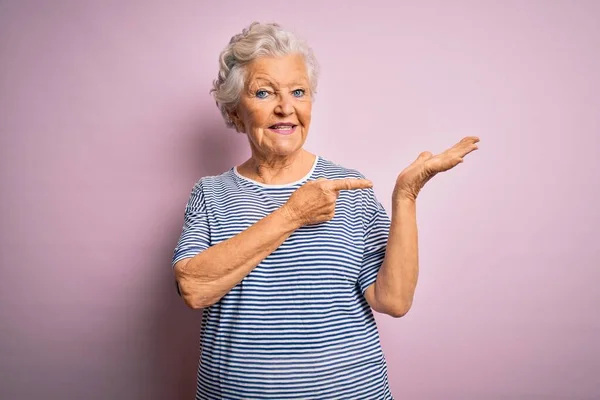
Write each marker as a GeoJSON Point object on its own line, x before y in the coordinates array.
{"type": "Point", "coordinates": [283, 128]}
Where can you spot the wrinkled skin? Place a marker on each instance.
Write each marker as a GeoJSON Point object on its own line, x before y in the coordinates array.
{"type": "Point", "coordinates": [412, 179]}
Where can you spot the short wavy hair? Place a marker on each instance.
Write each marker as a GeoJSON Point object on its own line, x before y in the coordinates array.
{"type": "Point", "coordinates": [257, 40]}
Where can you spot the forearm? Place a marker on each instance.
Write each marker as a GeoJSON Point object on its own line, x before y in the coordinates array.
{"type": "Point", "coordinates": [397, 277]}
{"type": "Point", "coordinates": [207, 277]}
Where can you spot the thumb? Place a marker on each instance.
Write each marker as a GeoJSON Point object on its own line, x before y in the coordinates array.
{"type": "Point", "coordinates": [424, 156]}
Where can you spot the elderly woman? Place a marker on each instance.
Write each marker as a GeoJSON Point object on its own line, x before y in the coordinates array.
{"type": "Point", "coordinates": [288, 253]}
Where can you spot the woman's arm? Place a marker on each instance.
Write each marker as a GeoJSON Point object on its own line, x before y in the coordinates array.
{"type": "Point", "coordinates": [204, 279]}
{"type": "Point", "coordinates": [211, 274]}
{"type": "Point", "coordinates": [393, 291]}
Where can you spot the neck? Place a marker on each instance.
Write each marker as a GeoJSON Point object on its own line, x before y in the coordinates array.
{"type": "Point", "coordinates": [277, 170]}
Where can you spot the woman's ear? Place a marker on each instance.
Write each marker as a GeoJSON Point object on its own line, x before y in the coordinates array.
{"type": "Point", "coordinates": [236, 121]}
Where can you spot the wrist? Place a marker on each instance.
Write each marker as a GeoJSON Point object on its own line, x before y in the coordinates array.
{"type": "Point", "coordinates": [401, 197]}
{"type": "Point", "coordinates": [289, 217]}
{"type": "Point", "coordinates": [404, 207]}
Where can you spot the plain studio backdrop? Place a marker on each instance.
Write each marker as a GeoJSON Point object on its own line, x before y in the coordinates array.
{"type": "Point", "coordinates": [106, 123]}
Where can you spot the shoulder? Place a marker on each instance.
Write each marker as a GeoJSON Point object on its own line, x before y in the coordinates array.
{"type": "Point", "coordinates": [210, 186]}
{"type": "Point", "coordinates": [332, 170]}
{"type": "Point", "coordinates": [210, 183]}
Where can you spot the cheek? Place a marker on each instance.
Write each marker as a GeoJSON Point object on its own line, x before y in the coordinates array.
{"type": "Point", "coordinates": [305, 114]}
{"type": "Point", "coordinates": [258, 118]}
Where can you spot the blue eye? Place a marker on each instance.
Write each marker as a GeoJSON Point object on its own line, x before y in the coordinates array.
{"type": "Point", "coordinates": [299, 92]}
{"type": "Point", "coordinates": [261, 94]}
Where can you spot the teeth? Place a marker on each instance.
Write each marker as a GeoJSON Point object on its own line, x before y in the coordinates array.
{"type": "Point", "coordinates": [282, 127]}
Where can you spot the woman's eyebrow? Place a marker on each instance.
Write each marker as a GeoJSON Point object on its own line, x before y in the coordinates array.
{"type": "Point", "coordinates": [262, 81]}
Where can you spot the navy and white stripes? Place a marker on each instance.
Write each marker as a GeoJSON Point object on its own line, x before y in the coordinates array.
{"type": "Point", "coordinates": [298, 326]}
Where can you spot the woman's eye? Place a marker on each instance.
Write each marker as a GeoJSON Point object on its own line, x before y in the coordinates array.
{"type": "Point", "coordinates": [261, 94]}
{"type": "Point", "coordinates": [299, 92]}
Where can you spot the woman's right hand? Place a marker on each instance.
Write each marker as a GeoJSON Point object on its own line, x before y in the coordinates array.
{"type": "Point", "coordinates": [314, 202]}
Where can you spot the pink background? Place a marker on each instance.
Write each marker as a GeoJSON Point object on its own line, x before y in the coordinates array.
{"type": "Point", "coordinates": [106, 123]}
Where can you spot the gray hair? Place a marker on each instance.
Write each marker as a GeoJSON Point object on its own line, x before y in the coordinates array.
{"type": "Point", "coordinates": [257, 40]}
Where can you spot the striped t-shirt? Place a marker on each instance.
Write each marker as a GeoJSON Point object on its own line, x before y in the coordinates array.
{"type": "Point", "coordinates": [298, 326]}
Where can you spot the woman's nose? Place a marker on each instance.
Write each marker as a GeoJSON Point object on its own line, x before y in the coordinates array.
{"type": "Point", "coordinates": [284, 106]}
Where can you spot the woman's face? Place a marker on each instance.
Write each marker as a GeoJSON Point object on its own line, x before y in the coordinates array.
{"type": "Point", "coordinates": [275, 105]}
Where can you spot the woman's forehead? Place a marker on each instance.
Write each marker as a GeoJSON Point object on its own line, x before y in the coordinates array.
{"type": "Point", "coordinates": [279, 71]}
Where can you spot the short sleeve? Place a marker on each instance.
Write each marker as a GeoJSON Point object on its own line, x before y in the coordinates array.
{"type": "Point", "coordinates": [376, 231]}
{"type": "Point", "coordinates": [195, 235]}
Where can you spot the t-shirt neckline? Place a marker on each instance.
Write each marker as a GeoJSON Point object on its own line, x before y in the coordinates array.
{"type": "Point", "coordinates": [265, 185]}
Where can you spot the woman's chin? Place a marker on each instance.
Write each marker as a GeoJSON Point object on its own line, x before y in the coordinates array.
{"type": "Point", "coordinates": [284, 151]}
{"type": "Point", "coordinates": [286, 147]}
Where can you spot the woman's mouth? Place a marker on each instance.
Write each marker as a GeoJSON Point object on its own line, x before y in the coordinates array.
{"type": "Point", "coordinates": [283, 129]}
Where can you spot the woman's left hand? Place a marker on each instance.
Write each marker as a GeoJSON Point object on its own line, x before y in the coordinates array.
{"type": "Point", "coordinates": [412, 179]}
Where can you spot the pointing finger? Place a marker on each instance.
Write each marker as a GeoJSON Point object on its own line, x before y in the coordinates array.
{"type": "Point", "coordinates": [469, 139]}
{"type": "Point", "coordinates": [351, 184]}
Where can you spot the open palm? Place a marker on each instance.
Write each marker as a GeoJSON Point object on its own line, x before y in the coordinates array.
{"type": "Point", "coordinates": [412, 179]}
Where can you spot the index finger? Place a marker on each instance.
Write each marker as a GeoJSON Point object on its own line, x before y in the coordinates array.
{"type": "Point", "coordinates": [351, 184]}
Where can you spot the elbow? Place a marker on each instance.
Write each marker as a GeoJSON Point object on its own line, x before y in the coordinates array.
{"type": "Point", "coordinates": [195, 295]}
{"type": "Point", "coordinates": [196, 298]}
{"type": "Point", "coordinates": [194, 302]}
{"type": "Point", "coordinates": [398, 312]}
{"type": "Point", "coordinates": [397, 309]}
